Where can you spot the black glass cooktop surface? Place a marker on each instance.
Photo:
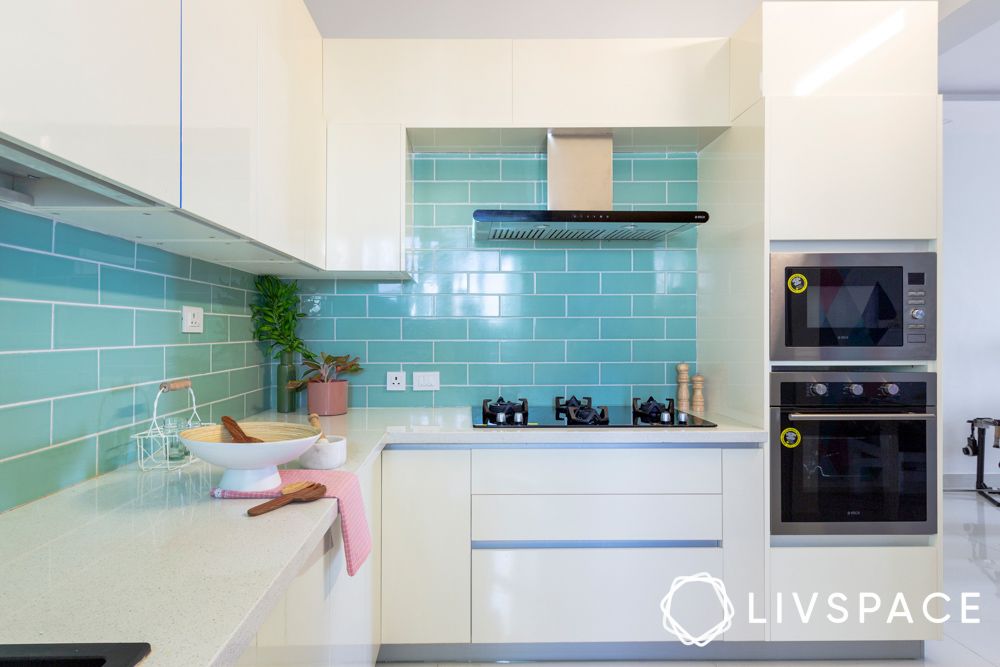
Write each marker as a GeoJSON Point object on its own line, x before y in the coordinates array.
{"type": "Point", "coordinates": [582, 413]}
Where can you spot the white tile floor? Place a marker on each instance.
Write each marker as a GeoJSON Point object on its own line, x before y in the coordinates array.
{"type": "Point", "coordinates": [972, 563]}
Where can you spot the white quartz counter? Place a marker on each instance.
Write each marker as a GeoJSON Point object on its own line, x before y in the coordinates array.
{"type": "Point", "coordinates": [149, 557]}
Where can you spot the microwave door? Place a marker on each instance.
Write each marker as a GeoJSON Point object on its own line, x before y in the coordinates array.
{"type": "Point", "coordinates": [850, 307]}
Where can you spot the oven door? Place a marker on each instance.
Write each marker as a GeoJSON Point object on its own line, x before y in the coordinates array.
{"type": "Point", "coordinates": [853, 473]}
{"type": "Point", "coordinates": [852, 307]}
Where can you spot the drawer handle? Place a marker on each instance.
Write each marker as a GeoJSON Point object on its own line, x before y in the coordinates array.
{"type": "Point", "coordinates": [595, 544]}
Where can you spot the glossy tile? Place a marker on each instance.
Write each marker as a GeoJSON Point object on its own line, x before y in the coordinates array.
{"type": "Point", "coordinates": [77, 416]}
{"type": "Point", "coordinates": [210, 273]}
{"type": "Point", "coordinates": [187, 360]}
{"type": "Point", "coordinates": [27, 275]}
{"type": "Point", "coordinates": [46, 471]}
{"type": "Point", "coordinates": [501, 328]}
{"type": "Point", "coordinates": [532, 350]}
{"type": "Point", "coordinates": [75, 242]}
{"type": "Point", "coordinates": [33, 375]}
{"type": "Point", "coordinates": [187, 293]}
{"type": "Point", "coordinates": [26, 326]}
{"type": "Point", "coordinates": [466, 351]}
{"type": "Point", "coordinates": [122, 287]}
{"type": "Point", "coordinates": [155, 260]}
{"type": "Point", "coordinates": [435, 329]}
{"type": "Point", "coordinates": [25, 230]}
{"type": "Point", "coordinates": [130, 366]}
{"type": "Point", "coordinates": [567, 327]}
{"type": "Point", "coordinates": [91, 326]}
{"type": "Point", "coordinates": [25, 428]}
{"type": "Point", "coordinates": [158, 327]}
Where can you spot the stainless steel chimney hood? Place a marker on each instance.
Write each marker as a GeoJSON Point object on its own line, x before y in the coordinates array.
{"type": "Point", "coordinates": [579, 196]}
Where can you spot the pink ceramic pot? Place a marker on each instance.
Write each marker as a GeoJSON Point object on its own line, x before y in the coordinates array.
{"type": "Point", "coordinates": [327, 398]}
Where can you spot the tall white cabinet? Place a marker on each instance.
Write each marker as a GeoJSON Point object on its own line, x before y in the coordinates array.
{"type": "Point", "coordinates": [97, 84]}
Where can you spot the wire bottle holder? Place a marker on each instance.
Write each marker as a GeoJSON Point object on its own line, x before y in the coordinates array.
{"type": "Point", "coordinates": [160, 447]}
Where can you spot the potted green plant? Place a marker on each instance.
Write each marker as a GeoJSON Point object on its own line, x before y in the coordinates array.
{"type": "Point", "coordinates": [326, 391]}
{"type": "Point", "coordinates": [275, 319]}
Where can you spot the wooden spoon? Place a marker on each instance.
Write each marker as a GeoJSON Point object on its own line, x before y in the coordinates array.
{"type": "Point", "coordinates": [239, 435]}
{"type": "Point", "coordinates": [308, 494]}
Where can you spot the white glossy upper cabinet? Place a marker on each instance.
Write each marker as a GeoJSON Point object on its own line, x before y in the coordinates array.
{"type": "Point", "coordinates": [850, 48]}
{"type": "Point", "coordinates": [367, 197]}
{"type": "Point", "coordinates": [621, 82]}
{"type": "Point", "coordinates": [97, 83]}
{"type": "Point", "coordinates": [291, 132]}
{"type": "Point", "coordinates": [220, 112]}
{"type": "Point", "coordinates": [418, 82]}
{"type": "Point", "coordinates": [846, 168]}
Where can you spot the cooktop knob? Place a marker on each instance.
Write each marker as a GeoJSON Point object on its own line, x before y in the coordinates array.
{"type": "Point", "coordinates": [918, 313]}
{"type": "Point", "coordinates": [819, 389]}
{"type": "Point", "coordinates": [854, 389]}
{"type": "Point", "coordinates": [890, 389]}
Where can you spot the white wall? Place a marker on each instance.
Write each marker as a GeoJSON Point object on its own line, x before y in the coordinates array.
{"type": "Point", "coordinates": [970, 315]}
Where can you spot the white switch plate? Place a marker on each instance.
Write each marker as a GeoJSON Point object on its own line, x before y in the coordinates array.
{"type": "Point", "coordinates": [395, 381]}
{"type": "Point", "coordinates": [192, 319]}
{"type": "Point", "coordinates": [428, 381]}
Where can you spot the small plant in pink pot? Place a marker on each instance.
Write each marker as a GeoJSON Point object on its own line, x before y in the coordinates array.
{"type": "Point", "coordinates": [326, 391]}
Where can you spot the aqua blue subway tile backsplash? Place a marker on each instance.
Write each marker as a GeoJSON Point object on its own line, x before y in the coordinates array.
{"type": "Point", "coordinates": [529, 320]}
{"type": "Point", "coordinates": [90, 327]}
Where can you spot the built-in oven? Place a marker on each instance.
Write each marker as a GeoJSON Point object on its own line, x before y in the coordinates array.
{"type": "Point", "coordinates": [853, 306]}
{"type": "Point", "coordinates": [853, 453]}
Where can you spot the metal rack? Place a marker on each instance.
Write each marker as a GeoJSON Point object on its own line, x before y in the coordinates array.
{"type": "Point", "coordinates": [160, 448]}
{"type": "Point", "coordinates": [975, 445]}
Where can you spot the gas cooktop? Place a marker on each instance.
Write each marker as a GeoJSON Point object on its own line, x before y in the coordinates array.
{"type": "Point", "coordinates": [574, 412]}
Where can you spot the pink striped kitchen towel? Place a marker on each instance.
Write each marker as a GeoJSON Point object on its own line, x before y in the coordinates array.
{"type": "Point", "coordinates": [351, 505]}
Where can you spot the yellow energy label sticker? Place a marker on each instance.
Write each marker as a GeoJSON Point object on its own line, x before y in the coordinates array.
{"type": "Point", "coordinates": [790, 438]}
{"type": "Point", "coordinates": [797, 283]}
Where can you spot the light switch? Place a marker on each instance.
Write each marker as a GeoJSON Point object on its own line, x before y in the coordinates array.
{"type": "Point", "coordinates": [428, 381]}
{"type": "Point", "coordinates": [192, 319]}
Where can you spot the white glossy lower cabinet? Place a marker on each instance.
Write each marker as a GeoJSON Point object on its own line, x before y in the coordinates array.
{"type": "Point", "coordinates": [597, 517]}
{"type": "Point", "coordinates": [600, 471]}
{"type": "Point", "coordinates": [327, 618]}
{"type": "Point", "coordinates": [425, 556]}
{"type": "Point", "coordinates": [882, 571]}
{"type": "Point", "coordinates": [587, 595]}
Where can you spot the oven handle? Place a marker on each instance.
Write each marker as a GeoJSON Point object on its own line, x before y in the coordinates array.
{"type": "Point", "coordinates": [864, 416]}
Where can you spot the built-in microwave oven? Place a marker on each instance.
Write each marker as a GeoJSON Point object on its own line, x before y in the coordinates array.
{"type": "Point", "coordinates": [853, 306]}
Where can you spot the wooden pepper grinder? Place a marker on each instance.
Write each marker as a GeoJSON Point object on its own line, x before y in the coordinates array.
{"type": "Point", "coordinates": [698, 394]}
{"type": "Point", "coordinates": [683, 390]}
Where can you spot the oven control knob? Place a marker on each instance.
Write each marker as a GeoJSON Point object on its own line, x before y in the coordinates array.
{"type": "Point", "coordinates": [854, 389]}
{"type": "Point", "coordinates": [818, 389]}
{"type": "Point", "coordinates": [890, 389]}
{"type": "Point", "coordinates": [918, 313]}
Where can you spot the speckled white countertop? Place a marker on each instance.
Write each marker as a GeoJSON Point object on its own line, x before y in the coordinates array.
{"type": "Point", "coordinates": [149, 557]}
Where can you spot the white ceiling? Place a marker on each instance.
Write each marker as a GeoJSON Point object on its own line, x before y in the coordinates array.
{"type": "Point", "coordinates": [969, 39]}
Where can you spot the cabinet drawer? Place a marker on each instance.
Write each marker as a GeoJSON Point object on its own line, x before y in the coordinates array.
{"type": "Point", "coordinates": [588, 595]}
{"type": "Point", "coordinates": [582, 471]}
{"type": "Point", "coordinates": [597, 517]}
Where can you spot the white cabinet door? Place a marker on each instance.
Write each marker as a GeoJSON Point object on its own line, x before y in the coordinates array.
{"type": "Point", "coordinates": [97, 84]}
{"type": "Point", "coordinates": [861, 168]}
{"type": "Point", "coordinates": [426, 547]}
{"type": "Point", "coordinates": [851, 571]}
{"type": "Point", "coordinates": [366, 198]}
{"type": "Point", "coordinates": [588, 595]}
{"type": "Point", "coordinates": [291, 155]}
{"type": "Point", "coordinates": [850, 48]}
{"type": "Point", "coordinates": [621, 82]}
{"type": "Point", "coordinates": [219, 130]}
{"type": "Point", "coordinates": [418, 82]}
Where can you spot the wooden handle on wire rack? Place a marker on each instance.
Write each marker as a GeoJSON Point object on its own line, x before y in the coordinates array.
{"type": "Point", "coordinates": [174, 385]}
{"type": "Point", "coordinates": [314, 422]}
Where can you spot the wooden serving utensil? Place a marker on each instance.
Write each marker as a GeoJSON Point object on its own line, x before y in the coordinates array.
{"type": "Point", "coordinates": [239, 435]}
{"type": "Point", "coordinates": [312, 491]}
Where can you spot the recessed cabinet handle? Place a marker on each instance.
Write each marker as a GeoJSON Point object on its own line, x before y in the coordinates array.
{"type": "Point", "coordinates": [864, 416]}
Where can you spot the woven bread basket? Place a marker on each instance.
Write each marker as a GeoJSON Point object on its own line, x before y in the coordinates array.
{"type": "Point", "coordinates": [269, 432]}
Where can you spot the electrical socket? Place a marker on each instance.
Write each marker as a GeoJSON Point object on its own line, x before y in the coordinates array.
{"type": "Point", "coordinates": [426, 381]}
{"type": "Point", "coordinates": [192, 319]}
{"type": "Point", "coordinates": [395, 381]}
